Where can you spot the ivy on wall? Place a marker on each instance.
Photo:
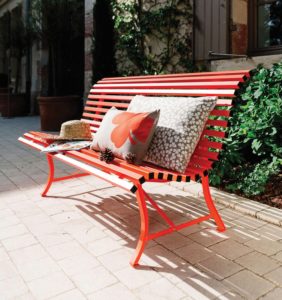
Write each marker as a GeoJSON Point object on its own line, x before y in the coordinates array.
{"type": "Point", "coordinates": [152, 36]}
{"type": "Point", "coordinates": [253, 151]}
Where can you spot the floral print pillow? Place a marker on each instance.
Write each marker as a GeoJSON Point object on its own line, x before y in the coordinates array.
{"type": "Point", "coordinates": [181, 122]}
{"type": "Point", "coordinates": [126, 133]}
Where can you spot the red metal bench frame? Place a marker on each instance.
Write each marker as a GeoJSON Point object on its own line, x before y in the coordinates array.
{"type": "Point", "coordinates": [118, 92]}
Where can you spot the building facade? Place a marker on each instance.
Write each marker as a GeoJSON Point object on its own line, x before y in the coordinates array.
{"type": "Point", "coordinates": [250, 28]}
{"type": "Point", "coordinates": [227, 34]}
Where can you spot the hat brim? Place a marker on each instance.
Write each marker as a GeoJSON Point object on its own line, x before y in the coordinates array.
{"type": "Point", "coordinates": [50, 138]}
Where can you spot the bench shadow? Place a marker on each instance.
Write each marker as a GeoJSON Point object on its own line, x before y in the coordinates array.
{"type": "Point", "coordinates": [119, 214]}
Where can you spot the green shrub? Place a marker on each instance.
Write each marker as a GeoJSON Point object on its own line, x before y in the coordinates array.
{"type": "Point", "coordinates": [254, 146]}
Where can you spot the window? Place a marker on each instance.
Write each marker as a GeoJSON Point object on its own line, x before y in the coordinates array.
{"type": "Point", "coordinates": [265, 25]}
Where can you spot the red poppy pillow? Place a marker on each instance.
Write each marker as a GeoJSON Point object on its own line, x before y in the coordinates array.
{"type": "Point", "coordinates": [127, 134]}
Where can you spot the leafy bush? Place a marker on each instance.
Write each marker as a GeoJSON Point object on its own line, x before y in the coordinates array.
{"type": "Point", "coordinates": [254, 146]}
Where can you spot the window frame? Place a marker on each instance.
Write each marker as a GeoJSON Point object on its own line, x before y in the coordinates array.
{"type": "Point", "coordinates": [253, 48]}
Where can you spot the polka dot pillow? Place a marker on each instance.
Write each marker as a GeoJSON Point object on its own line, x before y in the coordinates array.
{"type": "Point", "coordinates": [181, 122]}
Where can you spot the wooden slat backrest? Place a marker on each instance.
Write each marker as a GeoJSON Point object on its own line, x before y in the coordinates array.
{"type": "Point", "coordinates": [118, 92]}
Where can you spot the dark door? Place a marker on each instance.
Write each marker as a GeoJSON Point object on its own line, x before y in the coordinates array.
{"type": "Point", "coordinates": [211, 28]}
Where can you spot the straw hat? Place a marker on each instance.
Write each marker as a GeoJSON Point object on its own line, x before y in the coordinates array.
{"type": "Point", "coordinates": [74, 130]}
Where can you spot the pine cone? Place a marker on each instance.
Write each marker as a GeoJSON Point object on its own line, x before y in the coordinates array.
{"type": "Point", "coordinates": [107, 155]}
{"type": "Point", "coordinates": [130, 158]}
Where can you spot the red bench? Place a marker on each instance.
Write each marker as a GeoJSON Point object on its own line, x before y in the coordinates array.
{"type": "Point", "coordinates": [118, 92]}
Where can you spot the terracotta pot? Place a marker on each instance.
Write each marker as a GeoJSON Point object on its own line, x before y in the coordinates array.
{"type": "Point", "coordinates": [56, 110]}
{"type": "Point", "coordinates": [13, 105]}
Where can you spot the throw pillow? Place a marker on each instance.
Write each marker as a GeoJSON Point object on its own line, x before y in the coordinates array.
{"type": "Point", "coordinates": [181, 122]}
{"type": "Point", "coordinates": [127, 134]}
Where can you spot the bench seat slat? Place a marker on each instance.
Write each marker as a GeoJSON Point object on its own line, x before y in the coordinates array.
{"type": "Point", "coordinates": [129, 186]}
{"type": "Point", "coordinates": [220, 123]}
{"type": "Point", "coordinates": [111, 168]}
{"type": "Point", "coordinates": [235, 77]}
{"type": "Point", "coordinates": [196, 74]}
{"type": "Point", "coordinates": [198, 162]}
{"type": "Point", "coordinates": [119, 166]}
{"type": "Point", "coordinates": [206, 154]}
{"type": "Point", "coordinates": [108, 104]}
{"type": "Point", "coordinates": [110, 97]}
{"type": "Point", "coordinates": [121, 163]}
{"type": "Point", "coordinates": [93, 159]}
{"type": "Point", "coordinates": [214, 133]}
{"type": "Point", "coordinates": [219, 103]}
{"type": "Point", "coordinates": [205, 143]}
{"type": "Point", "coordinates": [96, 109]}
{"type": "Point", "coordinates": [91, 122]}
{"type": "Point", "coordinates": [93, 116]}
{"type": "Point", "coordinates": [169, 92]}
{"type": "Point", "coordinates": [220, 113]}
{"type": "Point", "coordinates": [181, 85]}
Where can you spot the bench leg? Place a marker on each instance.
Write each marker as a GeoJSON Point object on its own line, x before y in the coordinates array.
{"type": "Point", "coordinates": [144, 226]}
{"type": "Point", "coordinates": [213, 211]}
{"type": "Point", "coordinates": [50, 176]}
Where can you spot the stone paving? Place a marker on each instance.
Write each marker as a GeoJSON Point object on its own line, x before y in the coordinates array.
{"type": "Point", "coordinates": [77, 243]}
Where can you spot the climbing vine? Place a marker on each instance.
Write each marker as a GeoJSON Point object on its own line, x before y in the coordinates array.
{"type": "Point", "coordinates": [153, 36]}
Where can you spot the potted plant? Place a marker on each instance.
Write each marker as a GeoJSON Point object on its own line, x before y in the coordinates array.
{"type": "Point", "coordinates": [59, 26]}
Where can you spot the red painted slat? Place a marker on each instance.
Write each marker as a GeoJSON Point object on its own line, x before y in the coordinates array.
{"type": "Point", "coordinates": [215, 133]}
{"type": "Point", "coordinates": [220, 123]}
{"type": "Point", "coordinates": [110, 104]}
{"type": "Point", "coordinates": [220, 113]}
{"type": "Point", "coordinates": [210, 144]}
{"type": "Point", "coordinates": [235, 77]}
{"type": "Point", "coordinates": [96, 109]}
{"type": "Point", "coordinates": [206, 154]}
{"type": "Point", "coordinates": [92, 116]}
{"type": "Point", "coordinates": [181, 85]}
{"type": "Point", "coordinates": [205, 164]}
{"type": "Point", "coordinates": [91, 122]}
{"type": "Point", "coordinates": [169, 92]}
{"type": "Point", "coordinates": [242, 72]}
{"type": "Point", "coordinates": [110, 97]}
{"type": "Point", "coordinates": [111, 168]}
{"type": "Point", "coordinates": [121, 163]}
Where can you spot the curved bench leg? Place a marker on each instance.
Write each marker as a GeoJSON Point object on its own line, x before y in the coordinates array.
{"type": "Point", "coordinates": [210, 204]}
{"type": "Point", "coordinates": [144, 226]}
{"type": "Point", "coordinates": [50, 176]}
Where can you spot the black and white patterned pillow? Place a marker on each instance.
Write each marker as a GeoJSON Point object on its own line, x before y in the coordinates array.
{"type": "Point", "coordinates": [181, 122]}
